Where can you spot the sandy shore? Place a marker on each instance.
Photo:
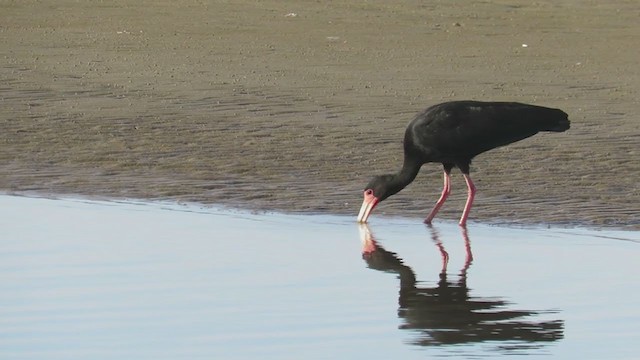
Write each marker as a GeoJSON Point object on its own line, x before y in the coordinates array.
{"type": "Point", "coordinates": [293, 106]}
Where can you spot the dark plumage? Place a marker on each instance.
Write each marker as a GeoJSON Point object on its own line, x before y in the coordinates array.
{"type": "Point", "coordinates": [453, 133]}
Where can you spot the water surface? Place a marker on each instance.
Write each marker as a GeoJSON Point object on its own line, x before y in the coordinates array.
{"type": "Point", "coordinates": [111, 280]}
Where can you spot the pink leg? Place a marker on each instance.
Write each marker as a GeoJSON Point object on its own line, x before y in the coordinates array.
{"type": "Point", "coordinates": [446, 190]}
{"type": "Point", "coordinates": [471, 194]}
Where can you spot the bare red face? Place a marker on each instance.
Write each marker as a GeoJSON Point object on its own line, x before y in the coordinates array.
{"type": "Point", "coordinates": [370, 202]}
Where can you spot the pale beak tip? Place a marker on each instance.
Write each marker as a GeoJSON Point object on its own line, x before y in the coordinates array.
{"type": "Point", "coordinates": [368, 204]}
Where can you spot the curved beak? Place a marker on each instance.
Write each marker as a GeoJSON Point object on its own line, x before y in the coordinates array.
{"type": "Point", "coordinates": [368, 204]}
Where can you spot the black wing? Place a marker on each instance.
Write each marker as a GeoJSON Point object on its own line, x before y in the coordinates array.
{"type": "Point", "coordinates": [459, 130]}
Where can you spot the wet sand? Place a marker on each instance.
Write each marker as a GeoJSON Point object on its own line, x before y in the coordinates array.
{"type": "Point", "coordinates": [119, 280]}
{"type": "Point", "coordinates": [247, 105]}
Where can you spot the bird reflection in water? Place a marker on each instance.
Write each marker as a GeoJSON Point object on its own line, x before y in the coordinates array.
{"type": "Point", "coordinates": [447, 314]}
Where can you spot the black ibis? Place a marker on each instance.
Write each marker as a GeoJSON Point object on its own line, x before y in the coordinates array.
{"type": "Point", "coordinates": [453, 133]}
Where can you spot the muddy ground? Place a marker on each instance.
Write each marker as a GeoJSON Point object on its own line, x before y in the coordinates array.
{"type": "Point", "coordinates": [292, 106]}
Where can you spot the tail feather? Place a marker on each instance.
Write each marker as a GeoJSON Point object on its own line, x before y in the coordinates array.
{"type": "Point", "coordinates": [555, 120]}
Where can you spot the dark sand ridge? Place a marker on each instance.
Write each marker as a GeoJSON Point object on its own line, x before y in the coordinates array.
{"type": "Point", "coordinates": [238, 103]}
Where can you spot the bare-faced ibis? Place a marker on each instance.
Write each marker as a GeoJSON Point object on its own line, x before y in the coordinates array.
{"type": "Point", "coordinates": [453, 133]}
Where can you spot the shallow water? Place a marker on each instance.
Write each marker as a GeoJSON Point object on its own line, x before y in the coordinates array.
{"type": "Point", "coordinates": [104, 280]}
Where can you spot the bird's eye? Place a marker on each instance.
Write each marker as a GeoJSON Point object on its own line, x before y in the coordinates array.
{"type": "Point", "coordinates": [368, 192]}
